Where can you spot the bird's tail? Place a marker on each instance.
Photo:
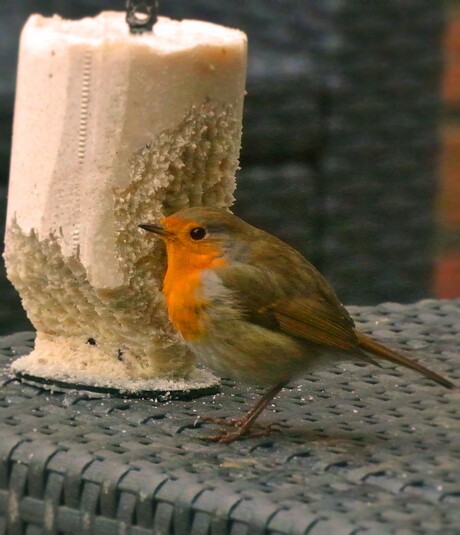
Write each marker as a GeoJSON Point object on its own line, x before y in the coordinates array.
{"type": "Point", "coordinates": [369, 345]}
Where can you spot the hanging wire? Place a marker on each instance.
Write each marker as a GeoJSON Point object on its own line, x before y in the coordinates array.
{"type": "Point", "coordinates": [141, 15]}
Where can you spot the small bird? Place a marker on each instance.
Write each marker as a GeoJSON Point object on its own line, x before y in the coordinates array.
{"type": "Point", "coordinates": [252, 308]}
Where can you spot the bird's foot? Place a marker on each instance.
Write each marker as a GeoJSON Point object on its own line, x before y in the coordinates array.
{"type": "Point", "coordinates": [231, 422]}
{"type": "Point", "coordinates": [225, 437]}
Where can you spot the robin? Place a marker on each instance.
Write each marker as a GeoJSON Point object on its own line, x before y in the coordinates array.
{"type": "Point", "coordinates": [252, 308]}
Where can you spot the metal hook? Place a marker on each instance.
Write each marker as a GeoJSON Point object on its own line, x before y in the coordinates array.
{"type": "Point", "coordinates": [141, 15]}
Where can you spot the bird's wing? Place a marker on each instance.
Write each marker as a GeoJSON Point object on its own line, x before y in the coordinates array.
{"type": "Point", "coordinates": [314, 319]}
{"type": "Point", "coordinates": [296, 305]}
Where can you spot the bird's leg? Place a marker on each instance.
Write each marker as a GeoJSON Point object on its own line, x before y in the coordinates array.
{"type": "Point", "coordinates": [244, 424]}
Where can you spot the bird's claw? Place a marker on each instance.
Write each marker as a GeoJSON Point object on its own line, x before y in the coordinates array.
{"type": "Point", "coordinates": [231, 422]}
{"type": "Point", "coordinates": [225, 437]}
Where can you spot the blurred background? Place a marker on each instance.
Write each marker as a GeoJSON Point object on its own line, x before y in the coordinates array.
{"type": "Point", "coordinates": [351, 143]}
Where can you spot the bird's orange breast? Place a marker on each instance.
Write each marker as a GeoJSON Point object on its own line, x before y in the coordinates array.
{"type": "Point", "coordinates": [182, 288]}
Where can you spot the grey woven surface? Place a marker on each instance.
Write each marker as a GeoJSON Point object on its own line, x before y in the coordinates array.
{"type": "Point", "coordinates": [362, 450]}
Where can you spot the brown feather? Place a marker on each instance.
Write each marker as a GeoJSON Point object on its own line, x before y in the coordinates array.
{"type": "Point", "coordinates": [316, 320]}
{"type": "Point", "coordinates": [371, 346]}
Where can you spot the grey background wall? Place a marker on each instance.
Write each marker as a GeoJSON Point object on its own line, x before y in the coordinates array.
{"type": "Point", "coordinates": [340, 135]}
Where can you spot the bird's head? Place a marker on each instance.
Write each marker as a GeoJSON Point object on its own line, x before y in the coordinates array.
{"type": "Point", "coordinates": [203, 232]}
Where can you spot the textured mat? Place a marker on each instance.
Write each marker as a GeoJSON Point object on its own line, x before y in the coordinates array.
{"type": "Point", "coordinates": [361, 449]}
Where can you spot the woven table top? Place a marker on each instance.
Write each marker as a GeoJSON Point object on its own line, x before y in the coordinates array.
{"type": "Point", "coordinates": [361, 449]}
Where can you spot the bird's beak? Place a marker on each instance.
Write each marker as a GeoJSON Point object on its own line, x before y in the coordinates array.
{"type": "Point", "coordinates": [159, 230]}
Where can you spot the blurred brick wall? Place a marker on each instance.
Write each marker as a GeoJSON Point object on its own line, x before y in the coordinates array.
{"type": "Point", "coordinates": [447, 272]}
{"type": "Point", "coordinates": [341, 133]}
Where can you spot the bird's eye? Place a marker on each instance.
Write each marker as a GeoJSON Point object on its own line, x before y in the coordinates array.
{"type": "Point", "coordinates": [198, 233]}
